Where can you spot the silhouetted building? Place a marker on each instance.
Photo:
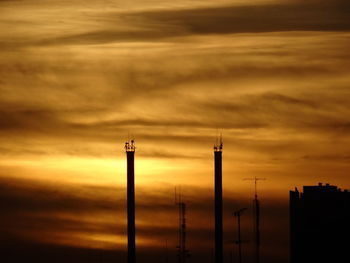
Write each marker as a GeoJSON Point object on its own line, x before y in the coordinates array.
{"type": "Point", "coordinates": [319, 225]}
{"type": "Point", "coordinates": [218, 202]}
{"type": "Point", "coordinates": [130, 154]}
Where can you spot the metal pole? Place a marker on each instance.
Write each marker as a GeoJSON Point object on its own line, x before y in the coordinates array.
{"type": "Point", "coordinates": [257, 230]}
{"type": "Point", "coordinates": [239, 241]}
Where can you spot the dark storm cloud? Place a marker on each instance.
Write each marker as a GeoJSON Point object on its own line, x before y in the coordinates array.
{"type": "Point", "coordinates": [162, 24]}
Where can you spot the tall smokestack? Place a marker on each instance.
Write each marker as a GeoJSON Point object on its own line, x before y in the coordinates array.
{"type": "Point", "coordinates": [130, 154]}
{"type": "Point", "coordinates": [218, 202]}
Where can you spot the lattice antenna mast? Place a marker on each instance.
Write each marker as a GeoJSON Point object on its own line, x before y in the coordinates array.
{"type": "Point", "coordinates": [183, 253]}
{"type": "Point", "coordinates": [255, 179]}
{"type": "Point", "coordinates": [256, 217]}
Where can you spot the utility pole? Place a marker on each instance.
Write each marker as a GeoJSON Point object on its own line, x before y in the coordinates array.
{"type": "Point", "coordinates": [238, 214]}
{"type": "Point", "coordinates": [256, 205]}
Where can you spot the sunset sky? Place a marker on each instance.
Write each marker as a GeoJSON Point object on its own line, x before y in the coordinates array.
{"type": "Point", "coordinates": [76, 77]}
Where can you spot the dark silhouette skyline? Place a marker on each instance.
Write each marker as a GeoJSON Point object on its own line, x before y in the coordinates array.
{"type": "Point", "coordinates": [317, 217]}
{"type": "Point", "coordinates": [41, 253]}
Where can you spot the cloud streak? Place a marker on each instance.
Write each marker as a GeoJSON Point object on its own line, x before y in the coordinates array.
{"type": "Point", "coordinates": [160, 25]}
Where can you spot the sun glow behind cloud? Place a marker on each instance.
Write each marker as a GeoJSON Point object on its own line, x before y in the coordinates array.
{"type": "Point", "coordinates": [76, 78]}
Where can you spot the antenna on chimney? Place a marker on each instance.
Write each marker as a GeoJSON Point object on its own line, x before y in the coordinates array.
{"type": "Point", "coordinates": [218, 146]}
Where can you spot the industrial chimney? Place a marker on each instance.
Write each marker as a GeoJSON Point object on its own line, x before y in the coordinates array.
{"type": "Point", "coordinates": [130, 154]}
{"type": "Point", "coordinates": [218, 202]}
